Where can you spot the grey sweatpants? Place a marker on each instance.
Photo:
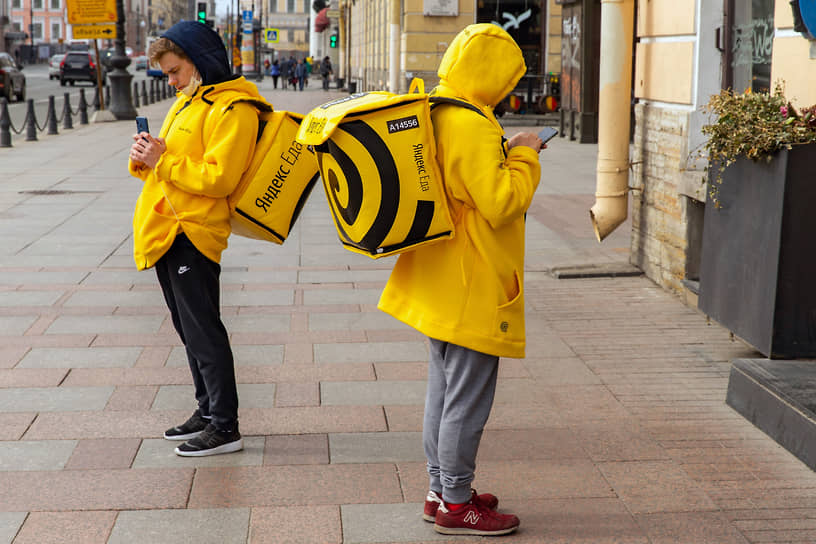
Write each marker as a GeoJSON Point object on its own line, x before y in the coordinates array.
{"type": "Point", "coordinates": [461, 387]}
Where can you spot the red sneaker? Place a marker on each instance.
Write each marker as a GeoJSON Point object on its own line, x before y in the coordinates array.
{"type": "Point", "coordinates": [432, 502]}
{"type": "Point", "coordinates": [474, 519]}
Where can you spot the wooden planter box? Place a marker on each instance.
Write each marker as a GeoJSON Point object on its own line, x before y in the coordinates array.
{"type": "Point", "coordinates": [758, 264]}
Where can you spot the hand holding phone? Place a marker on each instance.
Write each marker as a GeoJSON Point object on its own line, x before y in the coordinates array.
{"type": "Point", "coordinates": [141, 125]}
{"type": "Point", "coordinates": [547, 134]}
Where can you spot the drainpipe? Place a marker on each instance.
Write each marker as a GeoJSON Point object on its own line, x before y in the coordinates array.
{"type": "Point", "coordinates": [393, 67]}
{"type": "Point", "coordinates": [614, 107]}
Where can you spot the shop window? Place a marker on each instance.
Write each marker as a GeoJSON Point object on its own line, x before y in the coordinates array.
{"type": "Point", "coordinates": [750, 30]}
{"type": "Point", "coordinates": [522, 20]}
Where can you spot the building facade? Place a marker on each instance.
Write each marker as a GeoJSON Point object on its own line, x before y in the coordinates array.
{"type": "Point", "coordinates": [36, 27]}
{"type": "Point", "coordinates": [686, 51]}
{"type": "Point", "coordinates": [426, 27]}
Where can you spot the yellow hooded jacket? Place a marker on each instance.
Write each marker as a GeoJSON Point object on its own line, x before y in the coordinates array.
{"type": "Point", "coordinates": [210, 141]}
{"type": "Point", "coordinates": [469, 290]}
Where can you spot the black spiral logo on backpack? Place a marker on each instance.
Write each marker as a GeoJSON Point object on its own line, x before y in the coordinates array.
{"type": "Point", "coordinates": [389, 183]}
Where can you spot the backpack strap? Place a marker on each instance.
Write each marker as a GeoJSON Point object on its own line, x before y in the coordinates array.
{"type": "Point", "coordinates": [436, 100]}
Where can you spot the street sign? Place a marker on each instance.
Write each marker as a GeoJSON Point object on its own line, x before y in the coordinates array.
{"type": "Point", "coordinates": [246, 17]}
{"type": "Point", "coordinates": [91, 11]}
{"type": "Point", "coordinates": [92, 32]}
{"type": "Point", "coordinates": [271, 35]}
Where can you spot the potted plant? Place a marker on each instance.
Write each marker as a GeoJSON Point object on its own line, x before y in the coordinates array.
{"type": "Point", "coordinates": [758, 259]}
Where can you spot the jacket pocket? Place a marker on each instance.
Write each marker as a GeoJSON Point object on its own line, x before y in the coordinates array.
{"type": "Point", "coordinates": [509, 317]}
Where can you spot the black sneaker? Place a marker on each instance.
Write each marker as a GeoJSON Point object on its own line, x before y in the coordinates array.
{"type": "Point", "coordinates": [212, 442]}
{"type": "Point", "coordinates": [187, 430]}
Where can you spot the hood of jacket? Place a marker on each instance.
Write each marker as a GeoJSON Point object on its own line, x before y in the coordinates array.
{"type": "Point", "coordinates": [205, 49]}
{"type": "Point", "coordinates": [482, 65]}
{"type": "Point", "coordinates": [227, 92]}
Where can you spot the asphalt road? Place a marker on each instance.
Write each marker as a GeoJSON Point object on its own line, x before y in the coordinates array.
{"type": "Point", "coordinates": [39, 88]}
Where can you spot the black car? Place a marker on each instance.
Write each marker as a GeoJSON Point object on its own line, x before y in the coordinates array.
{"type": "Point", "coordinates": [12, 80]}
{"type": "Point", "coordinates": [78, 66]}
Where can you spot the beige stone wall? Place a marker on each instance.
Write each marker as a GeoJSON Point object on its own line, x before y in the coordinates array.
{"type": "Point", "coordinates": [659, 226]}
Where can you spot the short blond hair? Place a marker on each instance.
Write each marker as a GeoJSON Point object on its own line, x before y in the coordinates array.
{"type": "Point", "coordinates": [160, 47]}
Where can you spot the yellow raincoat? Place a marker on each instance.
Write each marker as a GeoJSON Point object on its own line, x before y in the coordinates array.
{"type": "Point", "coordinates": [469, 290]}
{"type": "Point", "coordinates": [210, 141]}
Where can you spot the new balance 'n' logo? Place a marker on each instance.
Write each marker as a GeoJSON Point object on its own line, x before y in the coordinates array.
{"type": "Point", "coordinates": [472, 517]}
{"type": "Point", "coordinates": [183, 269]}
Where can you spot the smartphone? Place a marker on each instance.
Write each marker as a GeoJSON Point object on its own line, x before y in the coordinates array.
{"type": "Point", "coordinates": [547, 134]}
{"type": "Point", "coordinates": [141, 125]}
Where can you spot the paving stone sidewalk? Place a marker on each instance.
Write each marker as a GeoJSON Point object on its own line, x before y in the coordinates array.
{"type": "Point", "coordinates": [613, 429]}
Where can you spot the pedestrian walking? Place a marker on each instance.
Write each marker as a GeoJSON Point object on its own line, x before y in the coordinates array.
{"type": "Point", "coordinates": [284, 73]}
{"type": "Point", "coordinates": [466, 293]}
{"type": "Point", "coordinates": [274, 72]}
{"type": "Point", "coordinates": [300, 74]}
{"type": "Point", "coordinates": [182, 218]}
{"type": "Point", "coordinates": [325, 72]}
{"type": "Point", "coordinates": [308, 62]}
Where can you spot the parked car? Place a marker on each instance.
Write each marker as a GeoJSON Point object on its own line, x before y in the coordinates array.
{"type": "Point", "coordinates": [54, 65]}
{"type": "Point", "coordinates": [155, 73]}
{"type": "Point", "coordinates": [12, 79]}
{"type": "Point", "coordinates": [140, 62]}
{"type": "Point", "coordinates": [78, 66]}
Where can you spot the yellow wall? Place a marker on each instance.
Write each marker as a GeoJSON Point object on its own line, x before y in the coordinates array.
{"type": "Point", "coordinates": [423, 41]}
{"type": "Point", "coordinates": [663, 71]}
{"type": "Point", "coordinates": [791, 63]}
{"type": "Point", "coordinates": [554, 36]}
{"type": "Point", "coordinates": [783, 16]}
{"type": "Point", "coordinates": [665, 17]}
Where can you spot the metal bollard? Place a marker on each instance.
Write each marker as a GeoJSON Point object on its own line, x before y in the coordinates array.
{"type": "Point", "coordinates": [5, 123]}
{"type": "Point", "coordinates": [83, 108]}
{"type": "Point", "coordinates": [144, 92]}
{"type": "Point", "coordinates": [152, 91]}
{"type": "Point", "coordinates": [67, 114]}
{"type": "Point", "coordinates": [164, 91]}
{"type": "Point", "coordinates": [135, 94]}
{"type": "Point", "coordinates": [51, 117]}
{"type": "Point", "coordinates": [107, 97]}
{"type": "Point", "coordinates": [31, 122]}
{"type": "Point", "coordinates": [95, 104]}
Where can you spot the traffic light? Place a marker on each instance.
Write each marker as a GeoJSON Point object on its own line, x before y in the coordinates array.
{"type": "Point", "coordinates": [201, 14]}
{"type": "Point", "coordinates": [333, 39]}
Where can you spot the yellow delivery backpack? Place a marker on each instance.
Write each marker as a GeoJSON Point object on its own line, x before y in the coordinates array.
{"type": "Point", "coordinates": [268, 199]}
{"type": "Point", "coordinates": [377, 158]}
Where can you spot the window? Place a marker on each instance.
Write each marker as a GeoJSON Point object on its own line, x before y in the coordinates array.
{"type": "Point", "coordinates": [37, 30]}
{"type": "Point", "coordinates": [16, 4]}
{"type": "Point", "coordinates": [307, 5]}
{"type": "Point", "coordinates": [17, 26]}
{"type": "Point", "coordinates": [56, 31]}
{"type": "Point", "coordinates": [38, 4]}
{"type": "Point", "coordinates": [751, 34]}
{"type": "Point", "coordinates": [290, 36]}
{"type": "Point", "coordinates": [55, 5]}
{"type": "Point", "coordinates": [290, 6]}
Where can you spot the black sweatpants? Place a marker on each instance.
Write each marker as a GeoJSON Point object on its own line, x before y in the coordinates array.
{"type": "Point", "coordinates": [190, 283]}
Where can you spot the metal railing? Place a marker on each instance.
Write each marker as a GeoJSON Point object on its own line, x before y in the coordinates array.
{"type": "Point", "coordinates": [159, 90]}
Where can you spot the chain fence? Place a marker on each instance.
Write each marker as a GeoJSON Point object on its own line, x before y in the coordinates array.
{"type": "Point", "coordinates": [143, 94]}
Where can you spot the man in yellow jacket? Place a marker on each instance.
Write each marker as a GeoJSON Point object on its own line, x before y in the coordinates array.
{"type": "Point", "coordinates": [466, 293]}
{"type": "Point", "coordinates": [181, 223]}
